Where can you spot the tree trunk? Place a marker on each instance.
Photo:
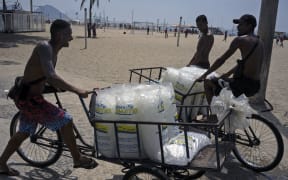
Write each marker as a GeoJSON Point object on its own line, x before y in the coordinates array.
{"type": "Point", "coordinates": [92, 27]}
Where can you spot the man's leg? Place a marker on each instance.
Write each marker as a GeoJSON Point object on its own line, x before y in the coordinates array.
{"type": "Point", "coordinates": [69, 139]}
{"type": "Point", "coordinates": [210, 88]}
{"type": "Point", "coordinates": [13, 144]}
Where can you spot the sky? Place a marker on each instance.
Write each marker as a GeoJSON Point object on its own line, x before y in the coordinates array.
{"type": "Point", "coordinates": [219, 12]}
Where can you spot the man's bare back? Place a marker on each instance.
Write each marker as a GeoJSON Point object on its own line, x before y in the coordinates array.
{"type": "Point", "coordinates": [252, 65]}
{"type": "Point", "coordinates": [204, 46]}
{"type": "Point", "coordinates": [34, 68]}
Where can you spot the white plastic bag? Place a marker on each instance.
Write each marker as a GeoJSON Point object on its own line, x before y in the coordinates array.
{"type": "Point", "coordinates": [105, 110]}
{"type": "Point", "coordinates": [175, 149]}
{"type": "Point", "coordinates": [241, 109]}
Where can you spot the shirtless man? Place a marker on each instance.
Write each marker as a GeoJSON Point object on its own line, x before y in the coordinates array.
{"type": "Point", "coordinates": [205, 43]}
{"type": "Point", "coordinates": [35, 109]}
{"type": "Point", "coordinates": [247, 80]}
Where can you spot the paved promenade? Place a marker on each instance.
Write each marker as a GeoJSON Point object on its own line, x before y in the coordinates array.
{"type": "Point", "coordinates": [63, 169]}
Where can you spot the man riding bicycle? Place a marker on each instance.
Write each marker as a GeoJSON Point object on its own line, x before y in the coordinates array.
{"type": "Point", "coordinates": [34, 109]}
{"type": "Point", "coordinates": [246, 74]}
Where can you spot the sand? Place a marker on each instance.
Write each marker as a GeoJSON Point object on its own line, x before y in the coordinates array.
{"type": "Point", "coordinates": [107, 60]}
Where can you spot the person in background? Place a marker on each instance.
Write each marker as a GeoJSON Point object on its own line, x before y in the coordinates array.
{"type": "Point", "coordinates": [204, 46]}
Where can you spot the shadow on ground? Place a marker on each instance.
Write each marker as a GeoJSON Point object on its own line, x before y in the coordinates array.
{"type": "Point", "coordinates": [40, 173]}
{"type": "Point", "coordinates": [8, 62]}
{"type": "Point", "coordinates": [11, 40]}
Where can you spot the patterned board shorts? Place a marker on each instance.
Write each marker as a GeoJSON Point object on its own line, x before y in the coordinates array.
{"type": "Point", "coordinates": [36, 110]}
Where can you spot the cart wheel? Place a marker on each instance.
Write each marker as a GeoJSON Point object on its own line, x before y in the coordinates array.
{"type": "Point", "coordinates": [188, 174]}
{"type": "Point", "coordinates": [145, 172]}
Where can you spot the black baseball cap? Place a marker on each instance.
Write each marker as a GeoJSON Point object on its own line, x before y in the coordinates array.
{"type": "Point", "coordinates": [247, 18]}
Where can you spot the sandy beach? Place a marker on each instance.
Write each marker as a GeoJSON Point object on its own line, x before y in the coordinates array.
{"type": "Point", "coordinates": [107, 60]}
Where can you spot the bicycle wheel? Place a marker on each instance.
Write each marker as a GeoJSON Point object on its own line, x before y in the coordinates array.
{"type": "Point", "coordinates": [145, 173]}
{"type": "Point", "coordinates": [260, 146]}
{"type": "Point", "coordinates": [41, 149]}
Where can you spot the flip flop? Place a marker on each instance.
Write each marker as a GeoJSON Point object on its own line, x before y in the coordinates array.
{"type": "Point", "coordinates": [90, 164]}
{"type": "Point", "coordinates": [10, 172]}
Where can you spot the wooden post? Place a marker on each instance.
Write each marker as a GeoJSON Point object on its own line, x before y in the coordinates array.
{"type": "Point", "coordinates": [266, 31]}
{"type": "Point", "coordinates": [179, 29]}
{"type": "Point", "coordinates": [85, 27]}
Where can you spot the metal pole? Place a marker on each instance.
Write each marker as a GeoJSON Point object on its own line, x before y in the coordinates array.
{"type": "Point", "coordinates": [85, 26]}
{"type": "Point", "coordinates": [132, 23]}
{"type": "Point", "coordinates": [104, 20]}
{"type": "Point", "coordinates": [179, 29]}
{"type": "Point", "coordinates": [31, 6]}
{"type": "Point", "coordinates": [266, 29]}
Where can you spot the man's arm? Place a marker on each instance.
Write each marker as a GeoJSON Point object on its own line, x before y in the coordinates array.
{"type": "Point", "coordinates": [220, 61]}
{"type": "Point", "coordinates": [192, 60]}
{"type": "Point", "coordinates": [46, 60]}
{"type": "Point", "coordinates": [197, 54]}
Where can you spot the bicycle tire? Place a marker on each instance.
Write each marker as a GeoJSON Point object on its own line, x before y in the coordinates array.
{"type": "Point", "coordinates": [258, 153]}
{"type": "Point", "coordinates": [34, 153]}
{"type": "Point", "coordinates": [144, 172]}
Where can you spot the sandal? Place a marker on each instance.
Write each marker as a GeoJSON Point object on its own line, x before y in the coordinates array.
{"type": "Point", "coordinates": [86, 163]}
{"type": "Point", "coordinates": [10, 172]}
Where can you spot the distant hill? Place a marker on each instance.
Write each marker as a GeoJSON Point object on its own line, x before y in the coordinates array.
{"type": "Point", "coordinates": [52, 13]}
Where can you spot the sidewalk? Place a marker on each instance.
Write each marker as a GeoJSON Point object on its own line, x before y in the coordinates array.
{"type": "Point", "coordinates": [63, 169]}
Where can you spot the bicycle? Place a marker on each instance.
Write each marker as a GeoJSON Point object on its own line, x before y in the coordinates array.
{"type": "Point", "coordinates": [246, 139]}
{"type": "Point", "coordinates": [51, 146]}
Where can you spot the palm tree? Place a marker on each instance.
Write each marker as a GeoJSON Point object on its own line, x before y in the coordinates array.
{"type": "Point", "coordinates": [90, 7]}
{"type": "Point", "coordinates": [90, 10]}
